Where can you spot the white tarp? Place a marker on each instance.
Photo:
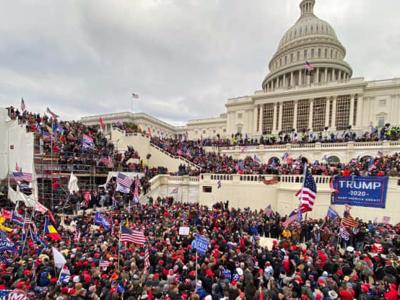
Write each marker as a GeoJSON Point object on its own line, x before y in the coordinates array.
{"type": "Point", "coordinates": [16, 146]}
{"type": "Point", "coordinates": [17, 196]}
{"type": "Point", "coordinates": [132, 175]}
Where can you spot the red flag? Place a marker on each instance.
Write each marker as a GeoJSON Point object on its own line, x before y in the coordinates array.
{"type": "Point", "coordinates": [261, 293]}
{"type": "Point", "coordinates": [150, 294]}
{"type": "Point", "coordinates": [102, 125]}
{"type": "Point", "coordinates": [7, 214]}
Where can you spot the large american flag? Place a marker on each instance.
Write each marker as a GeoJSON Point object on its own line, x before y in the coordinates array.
{"type": "Point", "coordinates": [123, 183]}
{"type": "Point", "coordinates": [307, 193]}
{"type": "Point", "coordinates": [104, 263]}
{"type": "Point", "coordinates": [22, 176]}
{"type": "Point", "coordinates": [132, 236]}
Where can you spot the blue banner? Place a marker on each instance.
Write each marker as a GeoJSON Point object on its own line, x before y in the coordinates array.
{"type": "Point", "coordinates": [366, 191]}
{"type": "Point", "coordinates": [201, 244]}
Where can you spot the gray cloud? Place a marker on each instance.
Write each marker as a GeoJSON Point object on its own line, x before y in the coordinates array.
{"type": "Point", "coordinates": [184, 57]}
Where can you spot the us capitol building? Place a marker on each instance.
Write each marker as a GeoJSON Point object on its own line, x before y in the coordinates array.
{"type": "Point", "coordinates": [309, 86]}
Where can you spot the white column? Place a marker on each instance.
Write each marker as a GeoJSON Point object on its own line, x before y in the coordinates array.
{"type": "Point", "coordinates": [300, 78]}
{"type": "Point", "coordinates": [310, 114]}
{"type": "Point", "coordinates": [340, 75]}
{"type": "Point", "coordinates": [333, 125]}
{"type": "Point", "coordinates": [280, 116]}
{"type": "Point", "coordinates": [327, 112]}
{"type": "Point", "coordinates": [308, 79]}
{"type": "Point", "coordinates": [316, 80]}
{"type": "Point", "coordinates": [333, 75]}
{"type": "Point", "coordinates": [274, 126]}
{"type": "Point", "coordinates": [326, 75]}
{"type": "Point", "coordinates": [360, 105]}
{"type": "Point", "coordinates": [255, 131]}
{"type": "Point", "coordinates": [291, 79]}
{"type": "Point", "coordinates": [295, 114]}
{"type": "Point", "coordinates": [351, 117]}
{"type": "Point", "coordinates": [284, 83]}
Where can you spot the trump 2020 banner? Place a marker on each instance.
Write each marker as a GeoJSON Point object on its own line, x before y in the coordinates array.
{"type": "Point", "coordinates": [367, 191]}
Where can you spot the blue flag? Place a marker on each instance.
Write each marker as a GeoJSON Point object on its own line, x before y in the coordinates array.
{"type": "Point", "coordinates": [332, 214]}
{"type": "Point", "coordinates": [99, 219]}
{"type": "Point", "coordinates": [120, 289]}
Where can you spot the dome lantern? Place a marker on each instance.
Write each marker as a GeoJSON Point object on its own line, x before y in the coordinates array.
{"type": "Point", "coordinates": [307, 7]}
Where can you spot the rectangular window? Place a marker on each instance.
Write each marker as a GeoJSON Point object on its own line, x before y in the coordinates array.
{"type": "Point", "coordinates": [277, 115]}
{"type": "Point", "coordinates": [268, 118]}
{"type": "Point", "coordinates": [319, 109]}
{"type": "Point", "coordinates": [287, 116]}
{"type": "Point", "coordinates": [207, 189]}
{"type": "Point", "coordinates": [342, 112]}
{"type": "Point", "coordinates": [303, 111]}
{"type": "Point", "coordinates": [258, 118]}
{"type": "Point", "coordinates": [355, 110]}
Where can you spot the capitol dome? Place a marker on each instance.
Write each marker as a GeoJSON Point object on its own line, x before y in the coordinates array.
{"type": "Point", "coordinates": [309, 52]}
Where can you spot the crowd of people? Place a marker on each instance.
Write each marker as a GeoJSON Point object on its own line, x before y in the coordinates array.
{"type": "Point", "coordinates": [387, 132]}
{"type": "Point", "coordinates": [305, 260]}
{"type": "Point", "coordinates": [212, 162]}
{"type": "Point", "coordinates": [81, 147]}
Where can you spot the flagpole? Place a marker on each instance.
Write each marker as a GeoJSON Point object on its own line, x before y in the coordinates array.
{"type": "Point", "coordinates": [196, 268]}
{"type": "Point", "coordinates": [26, 235]}
{"type": "Point", "coordinates": [304, 181]}
{"type": "Point", "coordinates": [119, 244]}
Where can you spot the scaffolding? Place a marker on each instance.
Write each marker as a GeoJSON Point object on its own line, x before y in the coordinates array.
{"type": "Point", "coordinates": [53, 176]}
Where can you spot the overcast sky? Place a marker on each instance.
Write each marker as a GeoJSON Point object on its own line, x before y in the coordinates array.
{"type": "Point", "coordinates": [184, 58]}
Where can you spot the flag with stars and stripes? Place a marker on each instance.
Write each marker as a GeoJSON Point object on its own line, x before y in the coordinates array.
{"type": "Point", "coordinates": [146, 259]}
{"type": "Point", "coordinates": [133, 236]}
{"type": "Point", "coordinates": [124, 183]}
{"type": "Point", "coordinates": [308, 193]}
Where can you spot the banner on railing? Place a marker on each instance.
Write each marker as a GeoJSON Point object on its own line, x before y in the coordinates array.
{"type": "Point", "coordinates": [366, 191]}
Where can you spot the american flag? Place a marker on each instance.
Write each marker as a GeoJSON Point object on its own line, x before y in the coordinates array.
{"type": "Point", "coordinates": [307, 193]}
{"type": "Point", "coordinates": [293, 217]}
{"type": "Point", "coordinates": [309, 67]}
{"type": "Point", "coordinates": [22, 176]}
{"type": "Point", "coordinates": [104, 263]}
{"type": "Point", "coordinates": [123, 183]}
{"type": "Point", "coordinates": [23, 107]}
{"type": "Point", "coordinates": [52, 113]}
{"type": "Point", "coordinates": [132, 236]}
{"type": "Point", "coordinates": [41, 208]}
{"type": "Point", "coordinates": [146, 259]}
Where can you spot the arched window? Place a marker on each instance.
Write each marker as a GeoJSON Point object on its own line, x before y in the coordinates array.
{"type": "Point", "coordinates": [333, 160]}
